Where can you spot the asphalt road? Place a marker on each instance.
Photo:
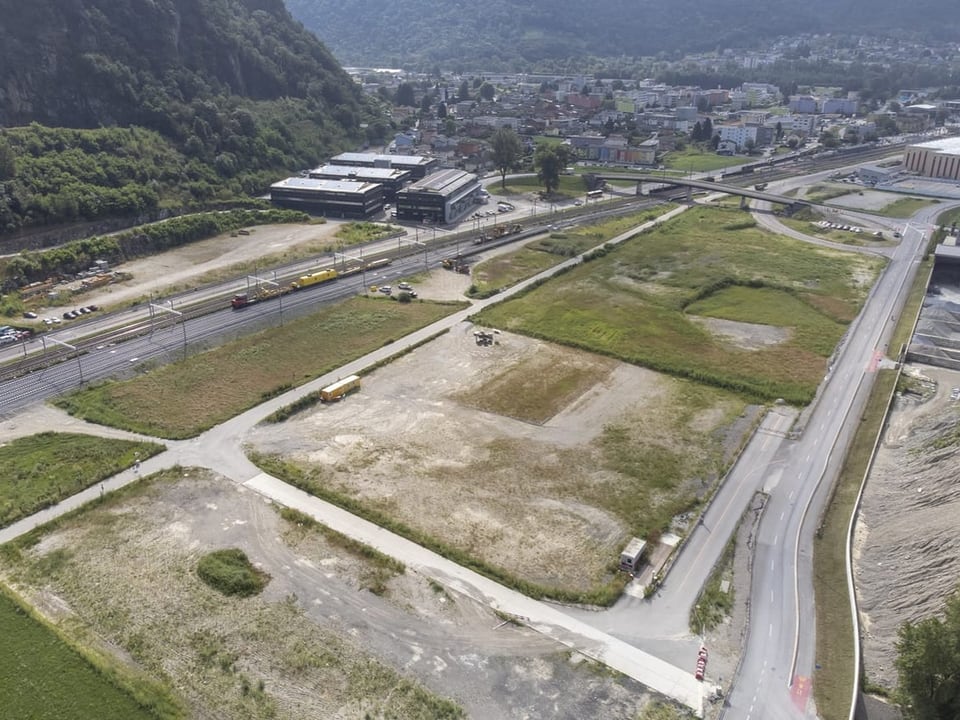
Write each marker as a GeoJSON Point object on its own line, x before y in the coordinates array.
{"type": "Point", "coordinates": [776, 675]}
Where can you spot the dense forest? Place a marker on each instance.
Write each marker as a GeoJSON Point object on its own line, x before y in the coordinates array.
{"type": "Point", "coordinates": [122, 106]}
{"type": "Point", "coordinates": [511, 35]}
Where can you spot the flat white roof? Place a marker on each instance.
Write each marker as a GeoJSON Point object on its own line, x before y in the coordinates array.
{"type": "Point", "coordinates": [299, 183]}
{"type": "Point", "coordinates": [344, 171]}
{"type": "Point", "coordinates": [950, 145]}
{"type": "Point", "coordinates": [398, 160]}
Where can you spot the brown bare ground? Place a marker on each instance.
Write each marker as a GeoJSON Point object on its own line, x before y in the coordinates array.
{"type": "Point", "coordinates": [907, 549]}
{"type": "Point", "coordinates": [531, 497]}
{"type": "Point", "coordinates": [313, 644]}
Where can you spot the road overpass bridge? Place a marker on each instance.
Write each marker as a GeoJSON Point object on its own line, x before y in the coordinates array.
{"type": "Point", "coordinates": [792, 204]}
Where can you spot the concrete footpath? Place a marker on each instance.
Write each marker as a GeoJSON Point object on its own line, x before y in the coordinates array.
{"type": "Point", "coordinates": [546, 619]}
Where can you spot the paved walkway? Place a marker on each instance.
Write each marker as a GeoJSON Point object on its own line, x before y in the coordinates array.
{"type": "Point", "coordinates": [651, 671]}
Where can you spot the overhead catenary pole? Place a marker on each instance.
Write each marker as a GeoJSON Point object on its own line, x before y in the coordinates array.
{"type": "Point", "coordinates": [169, 309]}
{"type": "Point", "coordinates": [44, 339]}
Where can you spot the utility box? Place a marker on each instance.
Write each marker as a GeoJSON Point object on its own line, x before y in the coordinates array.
{"type": "Point", "coordinates": [632, 556]}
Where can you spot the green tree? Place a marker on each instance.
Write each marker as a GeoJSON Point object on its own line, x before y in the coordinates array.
{"type": "Point", "coordinates": [928, 664]}
{"type": "Point", "coordinates": [405, 95]}
{"type": "Point", "coordinates": [487, 91]}
{"type": "Point", "coordinates": [549, 160]}
{"type": "Point", "coordinates": [829, 139]}
{"type": "Point", "coordinates": [425, 104]}
{"type": "Point", "coordinates": [505, 149]}
{"type": "Point", "coordinates": [8, 161]}
{"type": "Point", "coordinates": [779, 131]}
{"type": "Point", "coordinates": [463, 93]}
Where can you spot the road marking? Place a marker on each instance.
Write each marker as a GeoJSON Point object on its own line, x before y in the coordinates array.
{"type": "Point", "coordinates": [782, 514]}
{"type": "Point", "coordinates": [808, 458]}
{"type": "Point", "coordinates": [776, 538]}
{"type": "Point", "coordinates": [770, 633]}
{"type": "Point", "coordinates": [771, 565]}
{"type": "Point", "coordinates": [771, 596]}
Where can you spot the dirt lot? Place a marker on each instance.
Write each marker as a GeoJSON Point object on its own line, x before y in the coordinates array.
{"type": "Point", "coordinates": [184, 267]}
{"type": "Point", "coordinates": [313, 644]}
{"type": "Point", "coordinates": [519, 494]}
{"type": "Point", "coordinates": [907, 549]}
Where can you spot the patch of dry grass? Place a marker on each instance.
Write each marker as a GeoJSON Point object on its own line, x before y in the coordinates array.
{"type": "Point", "coordinates": [186, 397]}
{"type": "Point", "coordinates": [539, 386]}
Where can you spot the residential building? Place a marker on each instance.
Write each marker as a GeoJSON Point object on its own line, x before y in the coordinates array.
{"type": "Point", "coordinates": [839, 106]}
{"type": "Point", "coordinates": [803, 104]}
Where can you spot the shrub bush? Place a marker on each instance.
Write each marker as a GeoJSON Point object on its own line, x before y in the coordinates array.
{"type": "Point", "coordinates": [231, 572]}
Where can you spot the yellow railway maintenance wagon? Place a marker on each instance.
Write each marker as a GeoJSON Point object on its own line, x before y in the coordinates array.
{"type": "Point", "coordinates": [332, 393]}
{"type": "Point", "coordinates": [317, 277]}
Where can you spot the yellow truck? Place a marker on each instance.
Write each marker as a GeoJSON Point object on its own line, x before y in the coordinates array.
{"type": "Point", "coordinates": [334, 392]}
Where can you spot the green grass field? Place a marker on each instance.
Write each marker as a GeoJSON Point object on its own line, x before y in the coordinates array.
{"type": "Point", "coordinates": [43, 678]}
{"type": "Point", "coordinates": [905, 207]}
{"type": "Point", "coordinates": [354, 233]}
{"type": "Point", "coordinates": [825, 192]}
{"type": "Point", "coordinates": [510, 268]}
{"type": "Point", "coordinates": [187, 397]}
{"type": "Point", "coordinates": [570, 186]}
{"type": "Point", "coordinates": [41, 470]}
{"type": "Point", "coordinates": [693, 160]}
{"type": "Point", "coordinates": [634, 303]}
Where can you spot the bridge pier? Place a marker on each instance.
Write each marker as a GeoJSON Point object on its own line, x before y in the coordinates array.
{"type": "Point", "coordinates": [689, 193]}
{"type": "Point", "coordinates": [639, 188]}
{"type": "Point", "coordinates": [744, 203]}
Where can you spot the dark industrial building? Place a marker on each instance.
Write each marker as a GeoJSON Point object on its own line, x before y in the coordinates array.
{"type": "Point", "coordinates": [392, 179]}
{"type": "Point", "coordinates": [417, 165]}
{"type": "Point", "coordinates": [441, 197]}
{"type": "Point", "coordinates": [331, 198]}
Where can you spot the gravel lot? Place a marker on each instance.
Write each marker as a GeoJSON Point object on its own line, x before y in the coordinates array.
{"type": "Point", "coordinates": [319, 644]}
{"type": "Point", "coordinates": [907, 550]}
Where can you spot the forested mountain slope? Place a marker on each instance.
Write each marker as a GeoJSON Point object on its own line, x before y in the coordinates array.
{"type": "Point", "coordinates": [235, 93]}
{"type": "Point", "coordinates": [506, 34]}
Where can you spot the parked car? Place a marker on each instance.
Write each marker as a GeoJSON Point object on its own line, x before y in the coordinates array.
{"type": "Point", "coordinates": [405, 286]}
{"type": "Point", "coordinates": [30, 315]}
{"type": "Point", "coordinates": [386, 289]}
